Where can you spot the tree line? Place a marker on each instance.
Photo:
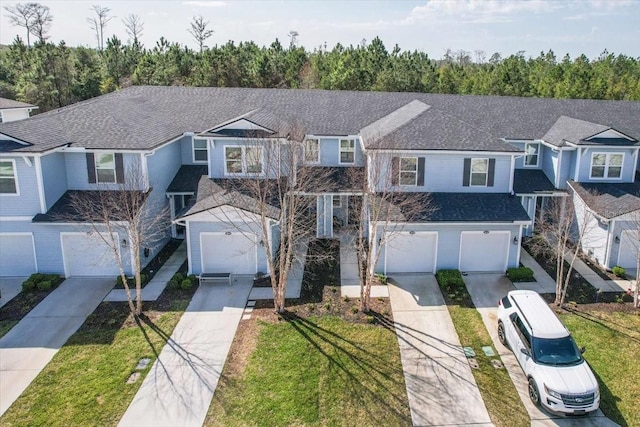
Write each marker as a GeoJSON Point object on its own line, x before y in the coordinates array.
{"type": "Point", "coordinates": [53, 75]}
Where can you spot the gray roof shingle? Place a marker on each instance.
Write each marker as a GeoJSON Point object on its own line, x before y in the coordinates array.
{"type": "Point", "coordinates": [577, 131]}
{"type": "Point", "coordinates": [609, 200]}
{"type": "Point", "coordinates": [530, 181]}
{"type": "Point", "coordinates": [6, 104]}
{"type": "Point", "coordinates": [187, 178]}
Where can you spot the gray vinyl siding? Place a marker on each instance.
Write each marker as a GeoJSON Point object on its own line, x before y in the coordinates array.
{"type": "Point", "coordinates": [77, 177]}
{"type": "Point", "coordinates": [197, 227]}
{"type": "Point", "coordinates": [330, 153]}
{"type": "Point", "coordinates": [444, 173]}
{"type": "Point", "coordinates": [595, 238]}
{"type": "Point", "coordinates": [519, 163]}
{"type": "Point", "coordinates": [567, 158]}
{"type": "Point", "coordinates": [628, 166]}
{"type": "Point", "coordinates": [28, 200]}
{"type": "Point", "coordinates": [217, 161]}
{"type": "Point", "coordinates": [54, 177]}
{"type": "Point", "coordinates": [549, 163]}
{"type": "Point", "coordinates": [448, 253]}
{"type": "Point", "coordinates": [618, 228]}
{"type": "Point", "coordinates": [186, 150]}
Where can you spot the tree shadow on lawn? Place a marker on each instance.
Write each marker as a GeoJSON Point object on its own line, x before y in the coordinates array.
{"type": "Point", "coordinates": [620, 328]}
{"type": "Point", "coordinates": [368, 364]}
{"type": "Point", "coordinates": [608, 402]}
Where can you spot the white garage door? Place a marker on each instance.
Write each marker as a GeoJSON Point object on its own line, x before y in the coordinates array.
{"type": "Point", "coordinates": [480, 251]}
{"type": "Point", "coordinates": [411, 253]}
{"type": "Point", "coordinates": [16, 255]}
{"type": "Point", "coordinates": [87, 255]}
{"type": "Point", "coordinates": [228, 253]}
{"type": "Point", "coordinates": [629, 246]}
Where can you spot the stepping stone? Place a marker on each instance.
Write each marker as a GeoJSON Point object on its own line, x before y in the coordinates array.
{"type": "Point", "coordinates": [143, 363]}
{"type": "Point", "coordinates": [488, 351]}
{"type": "Point", "coordinates": [248, 309]}
{"type": "Point", "coordinates": [246, 316]}
{"type": "Point", "coordinates": [133, 378]}
{"type": "Point", "coordinates": [251, 303]}
{"type": "Point", "coordinates": [496, 364]}
{"type": "Point", "coordinates": [473, 363]}
{"type": "Point", "coordinates": [468, 351]}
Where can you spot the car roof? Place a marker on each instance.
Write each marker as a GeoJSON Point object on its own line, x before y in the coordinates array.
{"type": "Point", "coordinates": [537, 315]}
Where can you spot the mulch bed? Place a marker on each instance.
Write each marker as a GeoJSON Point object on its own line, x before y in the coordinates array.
{"type": "Point", "coordinates": [22, 304]}
{"type": "Point", "coordinates": [604, 274]}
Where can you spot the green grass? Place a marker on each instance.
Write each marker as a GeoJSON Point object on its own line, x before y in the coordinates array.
{"type": "Point", "coordinates": [321, 371]}
{"type": "Point", "coordinates": [498, 392]}
{"type": "Point", "coordinates": [6, 325]}
{"type": "Point", "coordinates": [85, 383]}
{"type": "Point", "coordinates": [613, 346]}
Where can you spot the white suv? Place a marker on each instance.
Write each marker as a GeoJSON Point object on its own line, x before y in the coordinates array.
{"type": "Point", "coordinates": [559, 378]}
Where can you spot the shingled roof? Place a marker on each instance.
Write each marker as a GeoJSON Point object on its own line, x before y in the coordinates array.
{"type": "Point", "coordinates": [609, 200]}
{"type": "Point", "coordinates": [144, 117]}
{"type": "Point", "coordinates": [6, 104]}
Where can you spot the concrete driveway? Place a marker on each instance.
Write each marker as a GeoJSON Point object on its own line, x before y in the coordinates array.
{"type": "Point", "coordinates": [485, 291]}
{"type": "Point", "coordinates": [10, 287]}
{"type": "Point", "coordinates": [440, 385]}
{"type": "Point", "coordinates": [27, 348]}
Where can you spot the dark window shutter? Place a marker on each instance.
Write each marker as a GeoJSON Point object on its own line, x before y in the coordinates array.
{"type": "Point", "coordinates": [466, 172]}
{"type": "Point", "coordinates": [492, 172]}
{"type": "Point", "coordinates": [420, 170]}
{"type": "Point", "coordinates": [119, 168]}
{"type": "Point", "coordinates": [91, 168]}
{"type": "Point", "coordinates": [395, 170]}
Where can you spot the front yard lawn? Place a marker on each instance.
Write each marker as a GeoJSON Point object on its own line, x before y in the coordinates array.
{"type": "Point", "coordinates": [85, 382]}
{"type": "Point", "coordinates": [315, 371]}
{"type": "Point", "coordinates": [612, 340]}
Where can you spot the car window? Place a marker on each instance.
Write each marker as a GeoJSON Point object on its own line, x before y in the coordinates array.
{"type": "Point", "coordinates": [522, 330]}
{"type": "Point", "coordinates": [556, 352]}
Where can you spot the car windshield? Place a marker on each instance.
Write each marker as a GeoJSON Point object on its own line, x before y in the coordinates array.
{"type": "Point", "coordinates": [556, 352]}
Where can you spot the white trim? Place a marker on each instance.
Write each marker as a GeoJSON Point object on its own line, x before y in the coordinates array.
{"type": "Point", "coordinates": [11, 138]}
{"type": "Point", "coordinates": [462, 233]}
{"type": "Point", "coordinates": [519, 247]}
{"type": "Point", "coordinates": [15, 178]}
{"type": "Point", "coordinates": [41, 193]}
{"type": "Point", "coordinates": [511, 175]}
{"type": "Point", "coordinates": [620, 134]}
{"type": "Point", "coordinates": [115, 168]}
{"type": "Point", "coordinates": [410, 232]}
{"type": "Point", "coordinates": [244, 234]}
{"type": "Point", "coordinates": [560, 156]}
{"type": "Point", "coordinates": [524, 159]}
{"type": "Point", "coordinates": [193, 150]}
{"type": "Point", "coordinates": [144, 159]}
{"type": "Point", "coordinates": [76, 233]}
{"type": "Point", "coordinates": [457, 152]}
{"type": "Point", "coordinates": [33, 244]}
{"type": "Point", "coordinates": [333, 198]}
{"type": "Point", "coordinates": [606, 165]}
{"type": "Point", "coordinates": [243, 160]}
{"type": "Point", "coordinates": [576, 173]}
{"type": "Point", "coordinates": [635, 161]}
{"type": "Point", "coordinates": [486, 180]}
{"type": "Point", "coordinates": [415, 182]}
{"type": "Point", "coordinates": [304, 151]}
{"type": "Point", "coordinates": [187, 236]}
{"type": "Point", "coordinates": [340, 151]}
{"type": "Point", "coordinates": [15, 218]}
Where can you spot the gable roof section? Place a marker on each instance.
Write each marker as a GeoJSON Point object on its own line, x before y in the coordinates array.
{"type": "Point", "coordinates": [382, 127]}
{"type": "Point", "coordinates": [609, 200]}
{"type": "Point", "coordinates": [7, 104]}
{"type": "Point", "coordinates": [581, 132]}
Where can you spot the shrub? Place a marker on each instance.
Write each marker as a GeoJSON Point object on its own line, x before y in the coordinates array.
{"type": "Point", "coordinates": [193, 278]}
{"type": "Point", "coordinates": [520, 274]}
{"type": "Point", "coordinates": [618, 271]}
{"type": "Point", "coordinates": [382, 278]}
{"type": "Point", "coordinates": [354, 309]}
{"type": "Point", "coordinates": [45, 285]}
{"type": "Point", "coordinates": [173, 284]}
{"type": "Point", "coordinates": [28, 285]}
{"type": "Point", "coordinates": [143, 278]}
{"type": "Point", "coordinates": [450, 279]}
{"type": "Point", "coordinates": [178, 277]}
{"type": "Point", "coordinates": [371, 319]}
{"type": "Point", "coordinates": [345, 298]}
{"type": "Point", "coordinates": [186, 284]}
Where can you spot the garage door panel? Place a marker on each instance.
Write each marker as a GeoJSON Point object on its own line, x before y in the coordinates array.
{"type": "Point", "coordinates": [228, 253]}
{"type": "Point", "coordinates": [411, 253]}
{"type": "Point", "coordinates": [16, 255]}
{"type": "Point", "coordinates": [88, 255]}
{"type": "Point", "coordinates": [629, 246]}
{"type": "Point", "coordinates": [484, 252]}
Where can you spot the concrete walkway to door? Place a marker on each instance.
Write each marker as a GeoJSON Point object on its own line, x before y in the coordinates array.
{"type": "Point", "coordinates": [27, 348]}
{"type": "Point", "coordinates": [178, 389]}
{"type": "Point", "coordinates": [485, 290]}
{"type": "Point", "coordinates": [440, 385]}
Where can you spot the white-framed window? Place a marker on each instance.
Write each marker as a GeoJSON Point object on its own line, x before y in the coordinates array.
{"type": "Point", "coordinates": [532, 154]}
{"type": "Point", "coordinates": [105, 168]}
{"type": "Point", "coordinates": [408, 169]}
{"type": "Point", "coordinates": [200, 151]}
{"type": "Point", "coordinates": [606, 165]}
{"type": "Point", "coordinates": [311, 151]}
{"type": "Point", "coordinates": [479, 172]}
{"type": "Point", "coordinates": [336, 201]}
{"type": "Point", "coordinates": [242, 160]}
{"type": "Point", "coordinates": [8, 178]}
{"type": "Point", "coordinates": [347, 151]}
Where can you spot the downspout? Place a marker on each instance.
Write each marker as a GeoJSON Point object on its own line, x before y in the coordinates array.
{"type": "Point", "coordinates": [607, 252]}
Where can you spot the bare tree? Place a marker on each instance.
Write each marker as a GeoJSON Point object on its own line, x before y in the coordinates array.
{"type": "Point", "coordinates": [199, 30]}
{"type": "Point", "coordinates": [42, 19]}
{"type": "Point", "coordinates": [635, 246]}
{"type": "Point", "coordinates": [124, 215]}
{"type": "Point", "coordinates": [135, 26]}
{"type": "Point", "coordinates": [99, 22]}
{"type": "Point", "coordinates": [21, 15]}
{"type": "Point", "coordinates": [384, 212]}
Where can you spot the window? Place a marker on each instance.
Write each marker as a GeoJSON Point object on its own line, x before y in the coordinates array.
{"type": "Point", "coordinates": [479, 172]}
{"type": "Point", "coordinates": [532, 152]}
{"type": "Point", "coordinates": [243, 160]}
{"type": "Point", "coordinates": [606, 165]}
{"type": "Point", "coordinates": [8, 178]}
{"type": "Point", "coordinates": [105, 168]}
{"type": "Point", "coordinates": [336, 202]}
{"type": "Point", "coordinates": [311, 151]}
{"type": "Point", "coordinates": [408, 171]}
{"type": "Point", "coordinates": [347, 151]}
{"type": "Point", "coordinates": [200, 151]}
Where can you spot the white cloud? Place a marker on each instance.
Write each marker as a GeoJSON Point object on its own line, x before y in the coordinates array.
{"type": "Point", "coordinates": [204, 3]}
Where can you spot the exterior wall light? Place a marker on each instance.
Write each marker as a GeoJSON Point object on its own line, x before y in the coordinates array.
{"type": "Point", "coordinates": [616, 240]}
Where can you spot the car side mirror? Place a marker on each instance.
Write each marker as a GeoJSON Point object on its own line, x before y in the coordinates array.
{"type": "Point", "coordinates": [525, 352]}
{"type": "Point", "coordinates": [583, 349]}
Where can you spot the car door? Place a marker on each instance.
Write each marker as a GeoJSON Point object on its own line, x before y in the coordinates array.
{"type": "Point", "coordinates": [521, 341]}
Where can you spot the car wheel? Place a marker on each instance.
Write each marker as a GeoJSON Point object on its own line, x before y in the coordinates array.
{"type": "Point", "coordinates": [501, 335]}
{"type": "Point", "coordinates": [534, 394]}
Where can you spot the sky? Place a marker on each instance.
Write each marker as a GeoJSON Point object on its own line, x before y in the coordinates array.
{"type": "Point", "coordinates": [433, 26]}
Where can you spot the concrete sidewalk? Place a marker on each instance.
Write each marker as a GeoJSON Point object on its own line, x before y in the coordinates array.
{"type": "Point", "coordinates": [485, 291]}
{"type": "Point", "coordinates": [154, 288]}
{"type": "Point", "coordinates": [178, 389]}
{"type": "Point", "coordinates": [440, 386]}
{"type": "Point", "coordinates": [294, 281]}
{"type": "Point", "coordinates": [544, 283]}
{"type": "Point", "coordinates": [349, 278]}
{"type": "Point", "coordinates": [27, 348]}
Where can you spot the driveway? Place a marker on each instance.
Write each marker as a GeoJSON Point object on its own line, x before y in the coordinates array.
{"type": "Point", "coordinates": [178, 389]}
{"type": "Point", "coordinates": [27, 348]}
{"type": "Point", "coordinates": [485, 291]}
{"type": "Point", "coordinates": [440, 385]}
